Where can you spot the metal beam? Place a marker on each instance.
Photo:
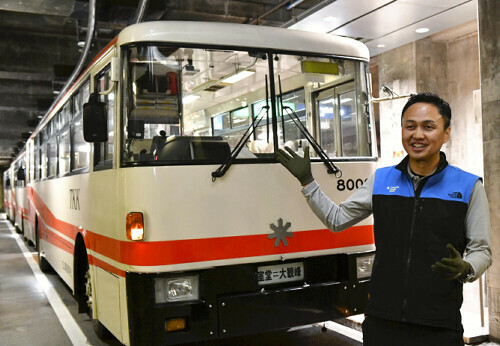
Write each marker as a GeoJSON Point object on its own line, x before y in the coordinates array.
{"type": "Point", "coordinates": [26, 76]}
{"type": "Point", "coordinates": [51, 7]}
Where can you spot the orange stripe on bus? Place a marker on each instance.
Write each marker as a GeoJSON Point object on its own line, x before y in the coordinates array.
{"type": "Point", "coordinates": [106, 266]}
{"type": "Point", "coordinates": [158, 253]}
{"type": "Point", "coordinates": [55, 239]}
{"type": "Point", "coordinates": [213, 249]}
{"type": "Point", "coordinates": [49, 218]}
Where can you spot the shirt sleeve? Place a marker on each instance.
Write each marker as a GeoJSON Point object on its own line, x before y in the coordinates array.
{"type": "Point", "coordinates": [340, 217]}
{"type": "Point", "coordinates": [477, 225]}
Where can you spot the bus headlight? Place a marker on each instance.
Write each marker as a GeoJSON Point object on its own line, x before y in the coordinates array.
{"type": "Point", "coordinates": [176, 289]}
{"type": "Point", "coordinates": [364, 266]}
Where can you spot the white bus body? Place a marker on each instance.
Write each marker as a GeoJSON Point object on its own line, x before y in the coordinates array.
{"type": "Point", "coordinates": [221, 254]}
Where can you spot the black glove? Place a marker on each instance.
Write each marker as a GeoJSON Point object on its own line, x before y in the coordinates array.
{"type": "Point", "coordinates": [453, 267]}
{"type": "Point", "coordinates": [298, 166]}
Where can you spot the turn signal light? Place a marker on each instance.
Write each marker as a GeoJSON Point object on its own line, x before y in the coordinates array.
{"type": "Point", "coordinates": [135, 226]}
{"type": "Point", "coordinates": [175, 324]}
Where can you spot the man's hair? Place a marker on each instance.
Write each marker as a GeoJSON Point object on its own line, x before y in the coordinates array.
{"type": "Point", "coordinates": [427, 97]}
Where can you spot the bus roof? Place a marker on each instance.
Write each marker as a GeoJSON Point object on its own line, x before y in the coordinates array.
{"type": "Point", "coordinates": [243, 35]}
{"type": "Point", "coordinates": [227, 35]}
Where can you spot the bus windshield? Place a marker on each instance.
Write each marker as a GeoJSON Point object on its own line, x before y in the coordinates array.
{"type": "Point", "coordinates": [194, 105]}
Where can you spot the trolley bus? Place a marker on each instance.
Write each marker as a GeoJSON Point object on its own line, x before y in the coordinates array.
{"type": "Point", "coordinates": [18, 192]}
{"type": "Point", "coordinates": [14, 192]}
{"type": "Point", "coordinates": [7, 194]}
{"type": "Point", "coordinates": [155, 193]}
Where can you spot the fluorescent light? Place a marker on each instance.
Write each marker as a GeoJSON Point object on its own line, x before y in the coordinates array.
{"type": "Point", "coordinates": [422, 30]}
{"type": "Point", "coordinates": [330, 19]}
{"type": "Point", "coordinates": [292, 5]}
{"type": "Point", "coordinates": [380, 45]}
{"type": "Point", "coordinates": [190, 98]}
{"type": "Point", "coordinates": [238, 76]}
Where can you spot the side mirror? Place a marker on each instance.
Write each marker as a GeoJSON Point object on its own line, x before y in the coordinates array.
{"type": "Point", "coordinates": [21, 174]}
{"type": "Point", "coordinates": [95, 127]}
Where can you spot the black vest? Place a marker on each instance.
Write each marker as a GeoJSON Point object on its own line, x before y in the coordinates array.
{"type": "Point", "coordinates": [411, 231]}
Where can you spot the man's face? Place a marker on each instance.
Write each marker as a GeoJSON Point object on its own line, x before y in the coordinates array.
{"type": "Point", "coordinates": [423, 133]}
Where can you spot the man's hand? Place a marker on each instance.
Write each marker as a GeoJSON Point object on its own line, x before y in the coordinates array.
{"type": "Point", "coordinates": [453, 267]}
{"type": "Point", "coordinates": [298, 166]}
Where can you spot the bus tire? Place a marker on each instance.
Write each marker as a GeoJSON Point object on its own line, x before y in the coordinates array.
{"type": "Point", "coordinates": [43, 264]}
{"type": "Point", "coordinates": [99, 329]}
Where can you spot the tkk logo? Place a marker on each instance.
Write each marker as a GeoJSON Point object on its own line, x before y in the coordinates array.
{"type": "Point", "coordinates": [74, 199]}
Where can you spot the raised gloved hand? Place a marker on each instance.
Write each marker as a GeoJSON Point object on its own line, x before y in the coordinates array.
{"type": "Point", "coordinates": [300, 167]}
{"type": "Point", "coordinates": [453, 267]}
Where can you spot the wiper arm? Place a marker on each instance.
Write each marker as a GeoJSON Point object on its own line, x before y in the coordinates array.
{"type": "Point", "coordinates": [249, 131]}
{"type": "Point", "coordinates": [330, 166]}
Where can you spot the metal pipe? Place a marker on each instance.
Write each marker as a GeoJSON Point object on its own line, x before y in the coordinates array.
{"type": "Point", "coordinates": [481, 307]}
{"type": "Point", "coordinates": [272, 10]}
{"type": "Point", "coordinates": [141, 10]}
{"type": "Point", "coordinates": [307, 13]}
{"type": "Point", "coordinates": [83, 56]}
{"type": "Point", "coordinates": [380, 99]}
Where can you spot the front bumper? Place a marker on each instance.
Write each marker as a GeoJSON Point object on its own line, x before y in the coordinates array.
{"type": "Point", "coordinates": [232, 303]}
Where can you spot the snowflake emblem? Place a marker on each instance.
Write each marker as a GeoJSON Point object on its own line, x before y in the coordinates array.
{"type": "Point", "coordinates": [280, 232]}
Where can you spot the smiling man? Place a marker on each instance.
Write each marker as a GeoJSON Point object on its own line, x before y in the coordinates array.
{"type": "Point", "coordinates": [427, 214]}
{"type": "Point", "coordinates": [424, 132]}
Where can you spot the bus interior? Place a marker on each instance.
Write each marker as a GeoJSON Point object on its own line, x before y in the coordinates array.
{"type": "Point", "coordinates": [187, 105]}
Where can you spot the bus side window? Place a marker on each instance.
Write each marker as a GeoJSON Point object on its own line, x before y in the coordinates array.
{"type": "Point", "coordinates": [80, 149]}
{"type": "Point", "coordinates": [103, 152]}
{"type": "Point", "coordinates": [37, 157]}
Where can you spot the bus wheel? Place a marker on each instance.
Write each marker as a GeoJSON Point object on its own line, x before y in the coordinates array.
{"type": "Point", "coordinates": [42, 262]}
{"type": "Point", "coordinates": [101, 331]}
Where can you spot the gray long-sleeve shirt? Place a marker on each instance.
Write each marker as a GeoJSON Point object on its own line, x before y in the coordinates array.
{"type": "Point", "coordinates": [359, 206]}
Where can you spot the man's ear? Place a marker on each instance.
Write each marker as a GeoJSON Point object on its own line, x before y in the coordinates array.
{"type": "Point", "coordinates": [447, 134]}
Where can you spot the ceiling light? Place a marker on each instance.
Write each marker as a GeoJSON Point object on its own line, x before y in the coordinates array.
{"type": "Point", "coordinates": [237, 76]}
{"type": "Point", "coordinates": [293, 4]}
{"type": "Point", "coordinates": [330, 19]}
{"type": "Point", "coordinates": [380, 45]}
{"type": "Point", "coordinates": [190, 98]}
{"type": "Point", "coordinates": [422, 30]}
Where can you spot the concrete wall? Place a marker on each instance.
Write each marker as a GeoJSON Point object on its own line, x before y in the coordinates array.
{"type": "Point", "coordinates": [448, 68]}
{"type": "Point", "coordinates": [465, 147]}
{"type": "Point", "coordinates": [396, 69]}
{"type": "Point", "coordinates": [489, 27]}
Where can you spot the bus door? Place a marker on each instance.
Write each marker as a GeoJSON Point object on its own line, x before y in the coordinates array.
{"type": "Point", "coordinates": [336, 107]}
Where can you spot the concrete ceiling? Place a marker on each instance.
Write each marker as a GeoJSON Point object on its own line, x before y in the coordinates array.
{"type": "Point", "coordinates": [39, 38]}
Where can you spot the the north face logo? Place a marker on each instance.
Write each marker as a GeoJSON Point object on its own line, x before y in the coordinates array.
{"type": "Point", "coordinates": [457, 195]}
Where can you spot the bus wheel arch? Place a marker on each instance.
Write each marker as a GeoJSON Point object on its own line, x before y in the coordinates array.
{"type": "Point", "coordinates": [42, 261]}
{"type": "Point", "coordinates": [83, 286]}
{"type": "Point", "coordinates": [81, 266]}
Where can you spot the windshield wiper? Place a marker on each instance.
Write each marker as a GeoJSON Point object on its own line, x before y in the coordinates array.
{"type": "Point", "coordinates": [330, 166]}
{"type": "Point", "coordinates": [242, 142]}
